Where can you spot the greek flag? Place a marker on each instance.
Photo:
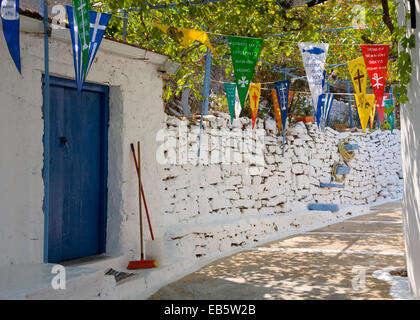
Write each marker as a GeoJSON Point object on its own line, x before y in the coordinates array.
{"type": "Point", "coordinates": [325, 103]}
{"type": "Point", "coordinates": [98, 24]}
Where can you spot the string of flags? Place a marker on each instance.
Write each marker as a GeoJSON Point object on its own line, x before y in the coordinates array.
{"type": "Point", "coordinates": [87, 29]}
{"type": "Point", "coordinates": [372, 64]}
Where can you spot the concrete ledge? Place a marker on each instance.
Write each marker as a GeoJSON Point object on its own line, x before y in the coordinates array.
{"type": "Point", "coordinates": [33, 281]}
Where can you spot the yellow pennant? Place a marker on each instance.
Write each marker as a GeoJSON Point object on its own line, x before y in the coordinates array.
{"type": "Point", "coordinates": [364, 110]}
{"type": "Point", "coordinates": [186, 37]}
{"type": "Point", "coordinates": [359, 76]}
{"type": "Point", "coordinates": [254, 97]}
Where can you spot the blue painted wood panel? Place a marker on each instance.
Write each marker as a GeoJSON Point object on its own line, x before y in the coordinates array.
{"type": "Point", "coordinates": [343, 170]}
{"type": "Point", "coordinates": [323, 207]}
{"type": "Point", "coordinates": [351, 147]}
{"type": "Point", "coordinates": [330, 185]}
{"type": "Point", "coordinates": [78, 157]}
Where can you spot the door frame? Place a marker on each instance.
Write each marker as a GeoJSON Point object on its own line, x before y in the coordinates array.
{"type": "Point", "coordinates": [92, 87]}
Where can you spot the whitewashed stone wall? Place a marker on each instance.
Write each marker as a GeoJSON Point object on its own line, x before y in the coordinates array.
{"type": "Point", "coordinates": [219, 205]}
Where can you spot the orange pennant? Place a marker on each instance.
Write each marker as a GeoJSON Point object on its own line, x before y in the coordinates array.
{"type": "Point", "coordinates": [254, 97]}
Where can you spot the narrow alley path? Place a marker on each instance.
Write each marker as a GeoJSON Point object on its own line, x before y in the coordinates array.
{"type": "Point", "coordinates": [327, 263]}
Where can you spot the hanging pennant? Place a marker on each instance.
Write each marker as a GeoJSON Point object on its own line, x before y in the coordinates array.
{"type": "Point", "coordinates": [238, 108]}
{"type": "Point", "coordinates": [81, 17]}
{"type": "Point", "coordinates": [245, 53]}
{"type": "Point", "coordinates": [230, 89]}
{"type": "Point", "coordinates": [325, 103]}
{"type": "Point", "coordinates": [276, 107]}
{"type": "Point", "coordinates": [314, 56]}
{"type": "Point", "coordinates": [372, 115]}
{"type": "Point", "coordinates": [283, 91]}
{"type": "Point", "coordinates": [291, 93]}
{"type": "Point", "coordinates": [376, 60]}
{"type": "Point", "coordinates": [254, 97]}
{"type": "Point", "coordinates": [186, 37]}
{"type": "Point", "coordinates": [364, 109]}
{"type": "Point", "coordinates": [358, 75]}
{"type": "Point", "coordinates": [11, 20]}
{"type": "Point", "coordinates": [98, 24]}
{"type": "Point", "coordinates": [389, 110]}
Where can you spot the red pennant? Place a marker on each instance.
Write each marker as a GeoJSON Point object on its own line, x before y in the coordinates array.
{"type": "Point", "coordinates": [376, 60]}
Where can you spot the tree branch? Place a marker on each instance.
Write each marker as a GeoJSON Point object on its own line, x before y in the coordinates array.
{"type": "Point", "coordinates": [386, 16]}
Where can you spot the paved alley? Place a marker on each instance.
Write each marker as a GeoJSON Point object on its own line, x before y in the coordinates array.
{"type": "Point", "coordinates": [327, 263]}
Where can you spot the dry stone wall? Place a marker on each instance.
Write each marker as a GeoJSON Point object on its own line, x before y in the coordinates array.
{"type": "Point", "coordinates": [245, 191]}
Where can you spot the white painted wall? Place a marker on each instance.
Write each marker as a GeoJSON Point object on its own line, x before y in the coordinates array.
{"type": "Point", "coordinates": [410, 142]}
{"type": "Point", "coordinates": [136, 113]}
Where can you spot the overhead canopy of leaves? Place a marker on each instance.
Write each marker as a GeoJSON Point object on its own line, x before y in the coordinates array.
{"type": "Point", "coordinates": [262, 19]}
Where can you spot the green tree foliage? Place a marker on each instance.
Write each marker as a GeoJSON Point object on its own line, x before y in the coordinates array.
{"type": "Point", "coordinates": [259, 19]}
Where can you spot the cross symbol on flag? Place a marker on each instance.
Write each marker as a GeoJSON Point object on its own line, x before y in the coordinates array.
{"type": "Point", "coordinates": [359, 77]}
{"type": "Point", "coordinates": [243, 82]}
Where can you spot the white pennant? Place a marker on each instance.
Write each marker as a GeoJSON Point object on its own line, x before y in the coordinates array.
{"type": "Point", "coordinates": [314, 56]}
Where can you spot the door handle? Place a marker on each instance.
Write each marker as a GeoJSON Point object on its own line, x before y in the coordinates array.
{"type": "Point", "coordinates": [63, 140]}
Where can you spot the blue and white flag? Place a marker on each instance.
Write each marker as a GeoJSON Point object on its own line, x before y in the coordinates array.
{"type": "Point", "coordinates": [282, 89]}
{"type": "Point", "coordinates": [98, 24]}
{"type": "Point", "coordinates": [314, 56]}
{"type": "Point", "coordinates": [11, 21]}
{"type": "Point", "coordinates": [325, 103]}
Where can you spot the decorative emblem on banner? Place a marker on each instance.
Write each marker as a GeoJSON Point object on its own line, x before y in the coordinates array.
{"type": "Point", "coordinates": [81, 17]}
{"type": "Point", "coordinates": [364, 109]}
{"type": "Point", "coordinates": [244, 53]}
{"type": "Point", "coordinates": [98, 24]}
{"type": "Point", "coordinates": [11, 20]}
{"type": "Point", "coordinates": [230, 89]}
{"type": "Point", "coordinates": [325, 103]}
{"type": "Point", "coordinates": [376, 60]}
{"type": "Point", "coordinates": [186, 37]}
{"type": "Point", "coordinates": [314, 56]}
{"type": "Point", "coordinates": [254, 97]}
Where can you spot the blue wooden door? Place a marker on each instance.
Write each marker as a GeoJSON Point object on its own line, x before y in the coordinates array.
{"type": "Point", "coordinates": [77, 170]}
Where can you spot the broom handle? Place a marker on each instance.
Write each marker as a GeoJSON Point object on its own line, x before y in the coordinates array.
{"type": "Point", "coordinates": [140, 211]}
{"type": "Point", "coordinates": [142, 194]}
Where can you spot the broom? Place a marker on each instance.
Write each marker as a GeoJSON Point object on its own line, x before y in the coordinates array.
{"type": "Point", "coordinates": [142, 263]}
{"type": "Point", "coordinates": [142, 192]}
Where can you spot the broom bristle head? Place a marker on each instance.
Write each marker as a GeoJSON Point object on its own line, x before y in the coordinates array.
{"type": "Point", "coordinates": [142, 264]}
